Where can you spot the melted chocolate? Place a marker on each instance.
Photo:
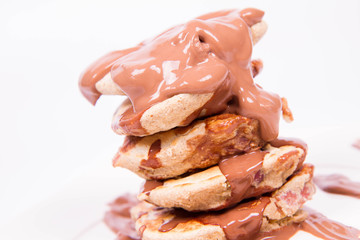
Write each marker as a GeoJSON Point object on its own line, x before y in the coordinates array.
{"type": "Point", "coordinates": [322, 227]}
{"type": "Point", "coordinates": [241, 222]}
{"type": "Point", "coordinates": [240, 172]}
{"type": "Point", "coordinates": [152, 161]}
{"type": "Point", "coordinates": [96, 72]}
{"type": "Point", "coordinates": [150, 185]}
{"type": "Point", "coordinates": [244, 222]}
{"type": "Point", "coordinates": [317, 225]}
{"type": "Point", "coordinates": [209, 54]}
{"type": "Point", "coordinates": [118, 218]}
{"type": "Point", "coordinates": [338, 184]}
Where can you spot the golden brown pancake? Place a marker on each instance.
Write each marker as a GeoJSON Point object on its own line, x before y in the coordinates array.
{"type": "Point", "coordinates": [202, 144]}
{"type": "Point", "coordinates": [211, 189]}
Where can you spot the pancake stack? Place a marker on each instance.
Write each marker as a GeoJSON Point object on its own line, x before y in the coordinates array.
{"type": "Point", "coordinates": [201, 178]}
{"type": "Point", "coordinates": [206, 144]}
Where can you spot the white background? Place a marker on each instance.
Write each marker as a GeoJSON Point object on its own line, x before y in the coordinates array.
{"type": "Point", "coordinates": [54, 144]}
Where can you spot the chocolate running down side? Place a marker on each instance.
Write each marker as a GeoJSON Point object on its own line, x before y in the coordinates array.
{"type": "Point", "coordinates": [150, 185]}
{"type": "Point", "coordinates": [240, 172]}
{"type": "Point", "coordinates": [338, 184]}
{"type": "Point", "coordinates": [243, 174]}
{"type": "Point", "coordinates": [240, 222]}
{"type": "Point", "coordinates": [210, 54]}
{"type": "Point", "coordinates": [152, 161]}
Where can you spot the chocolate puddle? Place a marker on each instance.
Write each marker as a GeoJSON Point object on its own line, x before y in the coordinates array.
{"type": "Point", "coordinates": [338, 184]}
{"type": "Point", "coordinates": [118, 218]}
{"type": "Point", "coordinates": [317, 225]}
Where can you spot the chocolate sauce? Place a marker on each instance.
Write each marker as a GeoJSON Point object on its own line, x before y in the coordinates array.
{"type": "Point", "coordinates": [240, 222]}
{"type": "Point", "coordinates": [245, 221]}
{"type": "Point", "coordinates": [315, 224]}
{"type": "Point", "coordinates": [152, 161]}
{"type": "Point", "coordinates": [150, 185]}
{"type": "Point", "coordinates": [210, 54]}
{"type": "Point", "coordinates": [118, 218]}
{"type": "Point", "coordinates": [240, 172]}
{"type": "Point", "coordinates": [338, 184]}
{"type": "Point", "coordinates": [322, 227]}
{"type": "Point", "coordinates": [97, 71]}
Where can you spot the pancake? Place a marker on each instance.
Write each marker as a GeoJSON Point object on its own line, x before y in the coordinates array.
{"type": "Point", "coordinates": [243, 221]}
{"type": "Point", "coordinates": [200, 145]}
{"type": "Point", "coordinates": [222, 186]}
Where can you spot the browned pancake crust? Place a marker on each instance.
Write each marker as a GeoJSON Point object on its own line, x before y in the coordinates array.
{"type": "Point", "coordinates": [200, 145]}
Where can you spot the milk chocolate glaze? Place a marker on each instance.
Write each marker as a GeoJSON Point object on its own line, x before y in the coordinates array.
{"type": "Point", "coordinates": [96, 72]}
{"type": "Point", "coordinates": [338, 184]}
{"type": "Point", "coordinates": [118, 218]}
{"type": "Point", "coordinates": [241, 222]}
{"type": "Point", "coordinates": [150, 185]}
{"type": "Point", "coordinates": [240, 172]}
{"type": "Point", "coordinates": [152, 161]}
{"type": "Point", "coordinates": [211, 53]}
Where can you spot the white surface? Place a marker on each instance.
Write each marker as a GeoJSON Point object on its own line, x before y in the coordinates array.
{"type": "Point", "coordinates": [51, 138]}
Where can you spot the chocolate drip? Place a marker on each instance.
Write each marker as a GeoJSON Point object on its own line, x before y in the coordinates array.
{"type": "Point", "coordinates": [97, 71]}
{"type": "Point", "coordinates": [152, 161]}
{"type": "Point", "coordinates": [338, 184]}
{"type": "Point", "coordinates": [240, 222]}
{"type": "Point", "coordinates": [240, 172]}
{"type": "Point", "coordinates": [150, 185]}
{"type": "Point", "coordinates": [210, 54]}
